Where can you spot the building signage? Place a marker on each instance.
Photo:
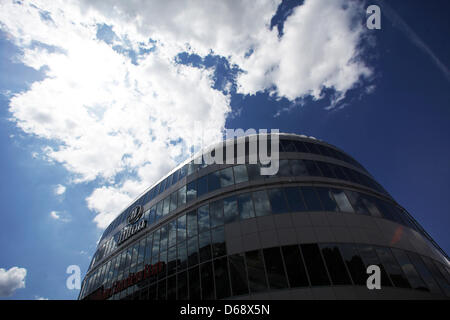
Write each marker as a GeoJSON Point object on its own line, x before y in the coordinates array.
{"type": "Point", "coordinates": [134, 278]}
{"type": "Point", "coordinates": [129, 231]}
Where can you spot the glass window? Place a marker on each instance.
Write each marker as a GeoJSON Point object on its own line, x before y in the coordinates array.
{"type": "Point", "coordinates": [413, 277]}
{"type": "Point", "coordinates": [141, 254]}
{"type": "Point", "coordinates": [172, 226]}
{"type": "Point", "coordinates": [238, 274]}
{"type": "Point", "coordinates": [226, 177]}
{"type": "Point", "coordinates": [294, 199]}
{"type": "Point", "coordinates": [312, 168]}
{"type": "Point", "coordinates": [295, 269]}
{"type": "Point", "coordinates": [240, 173]}
{"type": "Point", "coordinates": [223, 289]}
{"type": "Point", "coordinates": [392, 268]}
{"type": "Point", "coordinates": [287, 145]}
{"type": "Point", "coordinates": [327, 199]}
{"type": "Point", "coordinates": [191, 193]}
{"type": "Point", "coordinates": [194, 284]}
{"type": "Point", "coordinates": [335, 264]}
{"type": "Point", "coordinates": [182, 286]}
{"type": "Point", "coordinates": [277, 201]}
{"type": "Point", "coordinates": [182, 255]}
{"type": "Point", "coordinates": [438, 275]}
{"type": "Point", "coordinates": [216, 213]}
{"type": "Point", "coordinates": [253, 172]}
{"type": "Point", "coordinates": [213, 181]}
{"type": "Point", "coordinates": [152, 215]}
{"type": "Point", "coordinates": [230, 209]}
{"type": "Point", "coordinates": [256, 275]}
{"type": "Point", "coordinates": [181, 196]}
{"type": "Point", "coordinates": [312, 148]}
{"type": "Point", "coordinates": [300, 146]}
{"type": "Point", "coordinates": [192, 229]}
{"type": "Point", "coordinates": [162, 289]}
{"type": "Point", "coordinates": [204, 243]}
{"type": "Point", "coordinates": [173, 201]}
{"type": "Point", "coordinates": [166, 205]}
{"type": "Point", "coordinates": [159, 210]}
{"type": "Point", "coordinates": [192, 247]}
{"type": "Point", "coordinates": [342, 201]}
{"type": "Point", "coordinates": [181, 228]}
{"type": "Point", "coordinates": [175, 177]}
{"type": "Point", "coordinates": [172, 260]}
{"type": "Point", "coordinates": [148, 249]}
{"type": "Point", "coordinates": [326, 171]}
{"type": "Point", "coordinates": [298, 168]}
{"type": "Point", "coordinates": [172, 288]}
{"type": "Point", "coordinates": [202, 186]}
{"type": "Point", "coordinates": [284, 169]}
{"type": "Point", "coordinates": [369, 257]}
{"type": "Point", "coordinates": [262, 204]}
{"type": "Point", "coordinates": [245, 205]}
{"type": "Point", "coordinates": [314, 264]}
{"type": "Point", "coordinates": [155, 250]}
{"type": "Point", "coordinates": [424, 272]}
{"type": "Point", "coordinates": [203, 218]}
{"type": "Point", "coordinates": [337, 171]}
{"type": "Point", "coordinates": [311, 199]}
{"type": "Point", "coordinates": [371, 206]}
{"type": "Point", "coordinates": [218, 242]}
{"type": "Point", "coordinates": [357, 202]}
{"type": "Point", "coordinates": [275, 269]}
{"type": "Point", "coordinates": [164, 238]}
{"type": "Point", "coordinates": [207, 281]}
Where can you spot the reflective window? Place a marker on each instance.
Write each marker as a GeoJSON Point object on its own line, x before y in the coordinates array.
{"type": "Point", "coordinates": [262, 204]}
{"type": "Point", "coordinates": [238, 274]}
{"type": "Point", "coordinates": [294, 199]}
{"type": "Point", "coordinates": [287, 145]}
{"type": "Point", "coordinates": [164, 238]}
{"type": "Point", "coordinates": [312, 169]}
{"type": "Point", "coordinates": [226, 177]}
{"type": "Point", "coordinates": [424, 272]}
{"type": "Point", "coordinates": [311, 199]}
{"type": "Point", "coordinates": [172, 260]}
{"type": "Point", "coordinates": [162, 289]}
{"type": "Point", "coordinates": [357, 202]}
{"type": "Point", "coordinates": [298, 168]}
{"type": "Point", "coordinates": [155, 250]}
{"type": "Point", "coordinates": [194, 284]}
{"type": "Point", "coordinates": [327, 199]}
{"type": "Point", "coordinates": [181, 228]}
{"type": "Point", "coordinates": [253, 172]}
{"type": "Point", "coordinates": [207, 281]}
{"type": "Point", "coordinates": [392, 268]}
{"type": "Point", "coordinates": [369, 202]}
{"type": "Point", "coordinates": [203, 218]}
{"type": "Point", "coordinates": [216, 213]}
{"type": "Point", "coordinates": [230, 209]}
{"type": "Point", "coordinates": [192, 229]}
{"type": "Point", "coordinates": [438, 275]}
{"type": "Point", "coordinates": [245, 205]}
{"type": "Point", "coordinates": [314, 264]}
{"type": "Point", "coordinates": [295, 269]}
{"type": "Point", "coordinates": [191, 193]}
{"type": "Point", "coordinates": [277, 201]}
{"type": "Point", "coordinates": [148, 249]}
{"type": "Point", "coordinates": [159, 210]}
{"type": "Point", "coordinates": [274, 267]}
{"type": "Point", "coordinates": [335, 264]}
{"type": "Point", "coordinates": [172, 226]}
{"type": "Point", "coordinates": [202, 186]}
{"type": "Point", "coordinates": [181, 255]}
{"type": "Point", "coordinates": [326, 171]}
{"type": "Point", "coordinates": [173, 201]}
{"type": "Point", "coordinates": [213, 181]}
{"type": "Point", "coordinates": [172, 288]}
{"type": "Point", "coordinates": [166, 205]}
{"type": "Point", "coordinates": [284, 169]}
{"type": "Point", "coordinates": [181, 196]}
{"type": "Point", "coordinates": [218, 242]}
{"type": "Point", "coordinates": [413, 277]}
{"type": "Point", "coordinates": [341, 200]}
{"type": "Point", "coordinates": [256, 275]}
{"type": "Point", "coordinates": [204, 243]}
{"type": "Point", "coordinates": [192, 247]}
{"type": "Point", "coordinates": [223, 289]}
{"type": "Point", "coordinates": [240, 173]}
{"type": "Point", "coordinates": [182, 286]}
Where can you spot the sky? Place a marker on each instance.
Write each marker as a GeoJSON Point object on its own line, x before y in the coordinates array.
{"type": "Point", "coordinates": [98, 100]}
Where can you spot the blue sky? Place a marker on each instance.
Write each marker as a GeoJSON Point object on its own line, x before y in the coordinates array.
{"type": "Point", "coordinates": [91, 99]}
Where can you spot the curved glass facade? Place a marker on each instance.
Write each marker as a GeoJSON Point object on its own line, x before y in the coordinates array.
{"type": "Point", "coordinates": [225, 231]}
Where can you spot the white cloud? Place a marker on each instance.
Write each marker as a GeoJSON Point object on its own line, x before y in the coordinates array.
{"type": "Point", "coordinates": [60, 216]}
{"type": "Point", "coordinates": [59, 189]}
{"type": "Point", "coordinates": [39, 298]}
{"type": "Point", "coordinates": [11, 280]}
{"type": "Point", "coordinates": [108, 118]}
